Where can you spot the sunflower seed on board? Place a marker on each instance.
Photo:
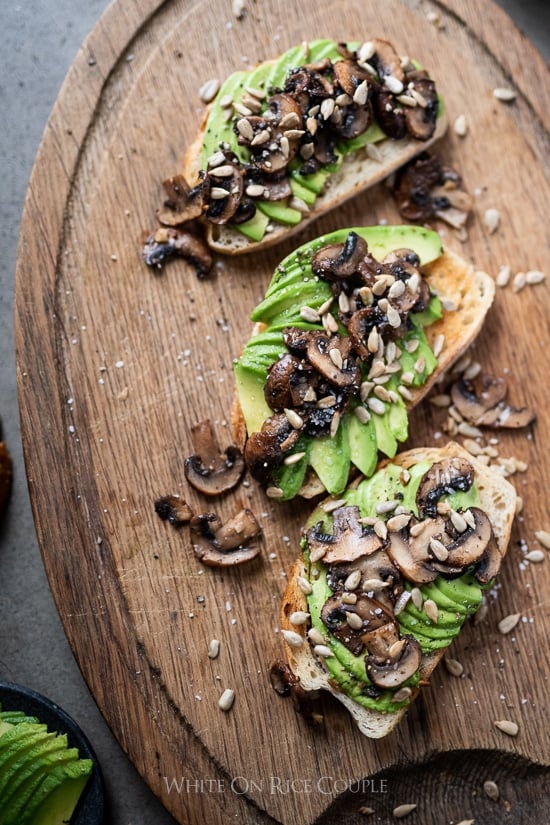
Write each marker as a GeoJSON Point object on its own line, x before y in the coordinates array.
{"type": "Point", "coordinates": [503, 275]}
{"type": "Point", "coordinates": [226, 700]}
{"type": "Point", "coordinates": [491, 790]}
{"type": "Point", "coordinates": [460, 126]}
{"type": "Point", "coordinates": [508, 623]}
{"type": "Point", "coordinates": [209, 90]}
{"type": "Point", "coordinates": [466, 822]}
{"type": "Point", "coordinates": [507, 726]}
{"type": "Point", "coordinates": [504, 94]}
{"type": "Point", "coordinates": [403, 810]}
{"type": "Point", "coordinates": [535, 556]}
{"type": "Point", "coordinates": [213, 649]}
{"type": "Point", "coordinates": [491, 219]}
{"type": "Point", "coordinates": [454, 667]}
{"type": "Point", "coordinates": [534, 276]}
{"type": "Point", "coordinates": [543, 537]}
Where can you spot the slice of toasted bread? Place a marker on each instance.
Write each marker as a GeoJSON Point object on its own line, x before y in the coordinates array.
{"type": "Point", "coordinates": [358, 170]}
{"type": "Point", "coordinates": [497, 499]}
{"type": "Point", "coordinates": [357, 173]}
{"type": "Point", "coordinates": [466, 295]}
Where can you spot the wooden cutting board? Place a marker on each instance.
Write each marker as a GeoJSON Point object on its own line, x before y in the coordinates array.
{"type": "Point", "coordinates": [116, 363]}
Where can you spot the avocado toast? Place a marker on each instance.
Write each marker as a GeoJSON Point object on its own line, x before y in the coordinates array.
{"type": "Point", "coordinates": [389, 573]}
{"type": "Point", "coordinates": [294, 137]}
{"type": "Point", "coordinates": [354, 329]}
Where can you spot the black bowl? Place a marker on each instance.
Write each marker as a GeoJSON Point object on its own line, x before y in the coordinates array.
{"type": "Point", "coordinates": [91, 805]}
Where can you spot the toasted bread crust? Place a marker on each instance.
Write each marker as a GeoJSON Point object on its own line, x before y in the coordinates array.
{"type": "Point", "coordinates": [498, 499]}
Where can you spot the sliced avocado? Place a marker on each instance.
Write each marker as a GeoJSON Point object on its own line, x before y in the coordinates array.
{"type": "Point", "coordinates": [314, 182]}
{"type": "Point", "coordinates": [59, 806]}
{"type": "Point", "coordinates": [280, 211]}
{"type": "Point", "coordinates": [330, 458]}
{"type": "Point", "coordinates": [218, 130]}
{"type": "Point", "coordinates": [373, 135]}
{"type": "Point", "coordinates": [385, 439]}
{"type": "Point", "coordinates": [255, 227]}
{"type": "Point", "coordinates": [33, 766]}
{"type": "Point", "coordinates": [290, 477]}
{"type": "Point", "coordinates": [250, 389]}
{"type": "Point", "coordinates": [299, 190]}
{"type": "Point", "coordinates": [288, 302]}
{"type": "Point", "coordinates": [279, 69]}
{"type": "Point", "coordinates": [72, 773]}
{"type": "Point", "coordinates": [362, 444]}
{"type": "Point", "coordinates": [398, 420]}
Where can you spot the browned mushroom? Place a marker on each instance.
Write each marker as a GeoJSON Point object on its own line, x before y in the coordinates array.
{"type": "Point", "coordinates": [223, 189]}
{"type": "Point", "coordinates": [379, 640]}
{"type": "Point", "coordinates": [386, 60]}
{"type": "Point", "coordinates": [391, 671]}
{"type": "Point", "coordinates": [169, 243]}
{"type": "Point", "coordinates": [469, 546]}
{"type": "Point", "coordinates": [348, 541]}
{"type": "Point", "coordinates": [389, 114]}
{"type": "Point", "coordinates": [444, 477]}
{"type": "Point", "coordinates": [330, 356]}
{"type": "Point", "coordinates": [182, 204]}
{"type": "Point", "coordinates": [378, 574]}
{"type": "Point", "coordinates": [489, 564]}
{"type": "Point", "coordinates": [349, 622]}
{"type": "Point", "coordinates": [421, 119]}
{"type": "Point", "coordinates": [340, 260]}
{"type": "Point", "coordinates": [209, 470]}
{"type": "Point", "coordinates": [411, 558]}
{"type": "Point", "coordinates": [229, 544]}
{"type": "Point", "coordinates": [482, 402]}
{"type": "Point", "coordinates": [424, 189]}
{"type": "Point", "coordinates": [173, 509]}
{"type": "Point", "coordinates": [264, 450]}
{"type": "Point", "coordinates": [288, 381]}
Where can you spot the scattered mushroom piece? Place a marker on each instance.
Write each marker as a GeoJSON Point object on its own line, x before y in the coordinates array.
{"type": "Point", "coordinates": [424, 188]}
{"type": "Point", "coordinates": [481, 401]}
{"type": "Point", "coordinates": [168, 243]}
{"type": "Point", "coordinates": [173, 509]}
{"type": "Point", "coordinates": [182, 204]}
{"type": "Point", "coordinates": [442, 478]}
{"type": "Point", "coordinates": [390, 672]}
{"type": "Point", "coordinates": [229, 544]}
{"type": "Point", "coordinates": [208, 470]}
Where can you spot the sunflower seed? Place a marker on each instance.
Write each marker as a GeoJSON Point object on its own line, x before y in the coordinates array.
{"type": "Point", "coordinates": [335, 504]}
{"type": "Point", "coordinates": [393, 84]}
{"type": "Point", "coordinates": [244, 128]}
{"type": "Point", "coordinates": [315, 636]}
{"type": "Point", "coordinates": [290, 121]}
{"type": "Point", "coordinates": [519, 281]}
{"type": "Point", "coordinates": [274, 492]}
{"type": "Point", "coordinates": [376, 405]}
{"type": "Point", "coordinates": [507, 726]}
{"type": "Point", "coordinates": [353, 580]}
{"type": "Point", "coordinates": [396, 523]}
{"type": "Point", "coordinates": [503, 276]}
{"type": "Point", "coordinates": [535, 556]}
{"type": "Point", "coordinates": [381, 530]}
{"type": "Point", "coordinates": [459, 522]}
{"type": "Point", "coordinates": [453, 666]}
{"type": "Point", "coordinates": [534, 276]}
{"type": "Point", "coordinates": [292, 638]}
{"type": "Point", "coordinates": [374, 152]}
{"type": "Point", "coordinates": [491, 220]}
{"type": "Point", "coordinates": [354, 621]}
{"type": "Point", "coordinates": [403, 810]}
{"type": "Point", "coordinates": [213, 649]}
{"type": "Point", "coordinates": [361, 93]}
{"type": "Point", "coordinates": [261, 137]}
{"type": "Point", "coordinates": [323, 650]}
{"type": "Point", "coordinates": [402, 694]}
{"type": "Point", "coordinates": [491, 790]}
{"type": "Point", "coordinates": [374, 584]}
{"type": "Point", "coordinates": [255, 190]}
{"type": "Point", "coordinates": [209, 90]}
{"type": "Point", "coordinates": [362, 415]}
{"type": "Point", "coordinates": [226, 102]}
{"type": "Point", "coordinates": [225, 171]}
{"type": "Point", "coordinates": [365, 51]}
{"type": "Point", "coordinates": [439, 550]}
{"type": "Point", "coordinates": [298, 618]}
{"type": "Point", "coordinates": [304, 585]}
{"type": "Point", "coordinates": [417, 598]}
{"type": "Point", "coordinates": [218, 193]}
{"type": "Point", "coordinates": [310, 315]}
{"type": "Point", "coordinates": [504, 95]}
{"type": "Point", "coordinates": [225, 702]}
{"type": "Point", "coordinates": [508, 623]}
{"type": "Point", "coordinates": [317, 553]}
{"type": "Point", "coordinates": [431, 611]}
{"type": "Point", "coordinates": [327, 107]}
{"type": "Point", "coordinates": [461, 126]}
{"type": "Point", "coordinates": [543, 537]}
{"type": "Point", "coordinates": [466, 822]}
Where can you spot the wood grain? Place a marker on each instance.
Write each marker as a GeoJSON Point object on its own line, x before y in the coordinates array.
{"type": "Point", "coordinates": [115, 364]}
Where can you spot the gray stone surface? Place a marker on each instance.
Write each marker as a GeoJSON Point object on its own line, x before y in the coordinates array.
{"type": "Point", "coordinates": [39, 41]}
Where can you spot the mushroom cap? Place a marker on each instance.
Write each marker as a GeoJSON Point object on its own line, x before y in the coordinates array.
{"type": "Point", "coordinates": [340, 260]}
{"type": "Point", "coordinates": [208, 470]}
{"type": "Point", "coordinates": [391, 672]}
{"type": "Point", "coordinates": [482, 402]}
{"type": "Point", "coordinates": [372, 613]}
{"type": "Point", "coordinates": [469, 547]}
{"type": "Point", "coordinates": [421, 120]}
{"type": "Point", "coordinates": [182, 203]}
{"type": "Point", "coordinates": [443, 477]}
{"type": "Point", "coordinates": [412, 562]}
{"type": "Point", "coordinates": [229, 544]}
{"type": "Point", "coordinates": [321, 349]}
{"type": "Point", "coordinates": [348, 541]}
